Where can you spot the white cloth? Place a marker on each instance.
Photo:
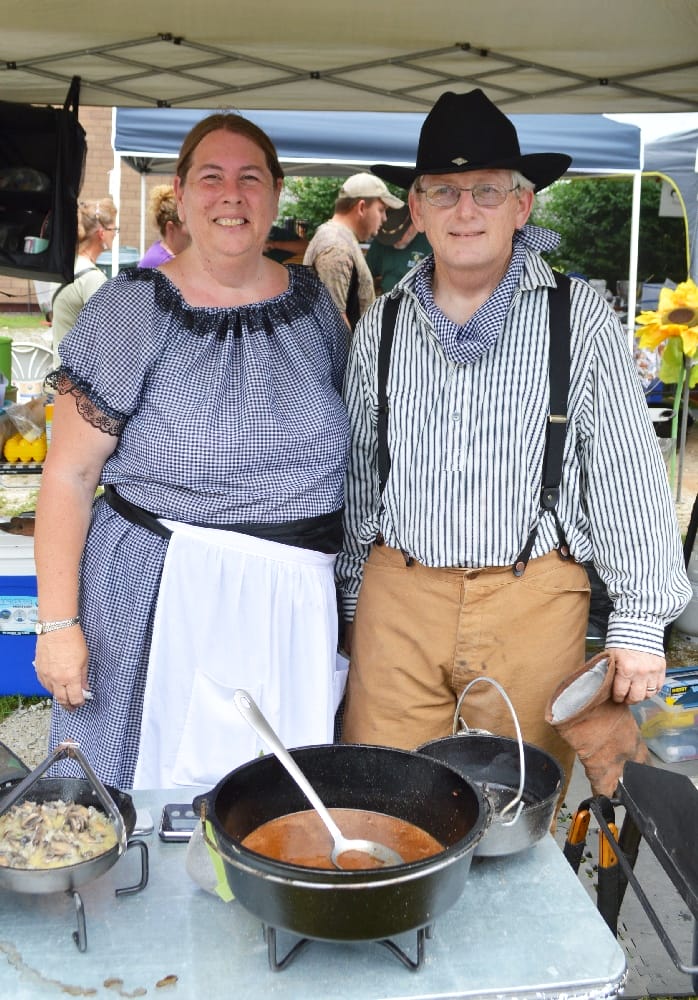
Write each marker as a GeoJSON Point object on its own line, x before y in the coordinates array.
{"type": "Point", "coordinates": [235, 611]}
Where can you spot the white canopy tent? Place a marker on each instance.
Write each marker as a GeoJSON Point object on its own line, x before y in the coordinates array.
{"type": "Point", "coordinates": [548, 57]}
{"type": "Point", "coordinates": [674, 157]}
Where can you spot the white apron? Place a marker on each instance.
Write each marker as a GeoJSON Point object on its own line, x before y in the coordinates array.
{"type": "Point", "coordinates": [236, 611]}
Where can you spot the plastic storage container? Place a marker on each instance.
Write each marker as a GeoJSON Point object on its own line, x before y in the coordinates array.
{"type": "Point", "coordinates": [18, 614]}
{"type": "Point", "coordinates": [670, 731]}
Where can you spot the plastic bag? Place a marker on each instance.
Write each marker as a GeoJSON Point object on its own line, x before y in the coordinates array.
{"type": "Point", "coordinates": [29, 418]}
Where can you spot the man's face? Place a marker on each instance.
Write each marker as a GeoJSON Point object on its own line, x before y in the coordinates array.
{"type": "Point", "coordinates": [468, 237]}
{"type": "Point", "coordinates": [371, 219]}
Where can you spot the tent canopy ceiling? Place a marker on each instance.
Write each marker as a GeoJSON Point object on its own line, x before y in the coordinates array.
{"type": "Point", "coordinates": [319, 142]}
{"type": "Point", "coordinates": [591, 57]}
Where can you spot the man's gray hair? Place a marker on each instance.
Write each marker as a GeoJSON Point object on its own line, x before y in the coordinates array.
{"type": "Point", "coordinates": [518, 180]}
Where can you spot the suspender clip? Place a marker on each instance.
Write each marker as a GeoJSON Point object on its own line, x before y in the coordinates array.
{"type": "Point", "coordinates": [549, 497]}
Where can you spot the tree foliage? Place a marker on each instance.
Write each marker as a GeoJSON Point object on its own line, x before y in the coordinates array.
{"type": "Point", "coordinates": [310, 199]}
{"type": "Point", "coordinates": [593, 217]}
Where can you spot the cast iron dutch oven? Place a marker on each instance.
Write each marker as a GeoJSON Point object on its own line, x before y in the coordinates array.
{"type": "Point", "coordinates": [347, 905]}
{"type": "Point", "coordinates": [116, 804]}
{"type": "Point", "coordinates": [503, 768]}
{"type": "Point", "coordinates": [492, 763]}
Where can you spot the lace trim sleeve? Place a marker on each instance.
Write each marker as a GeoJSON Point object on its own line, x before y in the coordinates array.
{"type": "Point", "coordinates": [91, 409]}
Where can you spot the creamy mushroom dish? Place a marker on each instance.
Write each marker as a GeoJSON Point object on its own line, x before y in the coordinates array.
{"type": "Point", "coordinates": [53, 834]}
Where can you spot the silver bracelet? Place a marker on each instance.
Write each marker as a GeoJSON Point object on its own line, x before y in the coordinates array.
{"type": "Point", "coordinates": [41, 627]}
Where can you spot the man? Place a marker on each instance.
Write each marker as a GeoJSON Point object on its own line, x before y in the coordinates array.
{"type": "Point", "coordinates": [395, 250]}
{"type": "Point", "coordinates": [334, 251]}
{"type": "Point", "coordinates": [461, 567]}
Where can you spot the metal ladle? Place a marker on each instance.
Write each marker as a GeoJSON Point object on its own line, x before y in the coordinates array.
{"type": "Point", "coordinates": [253, 717]}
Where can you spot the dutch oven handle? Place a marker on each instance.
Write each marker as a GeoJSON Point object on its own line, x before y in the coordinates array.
{"type": "Point", "coordinates": [460, 727]}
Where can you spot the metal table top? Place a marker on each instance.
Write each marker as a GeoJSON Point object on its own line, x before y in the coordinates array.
{"type": "Point", "coordinates": [524, 927]}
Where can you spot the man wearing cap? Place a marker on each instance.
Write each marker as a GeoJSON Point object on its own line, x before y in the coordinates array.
{"type": "Point", "coordinates": [334, 251]}
{"type": "Point", "coordinates": [463, 567]}
{"type": "Point", "coordinates": [396, 249]}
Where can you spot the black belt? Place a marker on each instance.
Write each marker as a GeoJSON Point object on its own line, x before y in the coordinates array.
{"type": "Point", "coordinates": [321, 534]}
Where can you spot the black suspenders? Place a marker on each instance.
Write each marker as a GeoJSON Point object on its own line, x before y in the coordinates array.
{"type": "Point", "coordinates": [559, 377]}
{"type": "Point", "coordinates": [559, 369]}
{"type": "Point", "coordinates": [385, 347]}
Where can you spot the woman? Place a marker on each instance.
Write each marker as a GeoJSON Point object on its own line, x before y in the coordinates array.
{"type": "Point", "coordinates": [174, 236]}
{"type": "Point", "coordinates": [96, 232]}
{"type": "Point", "coordinates": [206, 391]}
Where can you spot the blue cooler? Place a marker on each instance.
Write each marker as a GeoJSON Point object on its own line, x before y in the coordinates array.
{"type": "Point", "coordinates": [18, 614]}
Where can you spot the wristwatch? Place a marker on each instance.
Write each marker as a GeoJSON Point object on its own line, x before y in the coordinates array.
{"type": "Point", "coordinates": [41, 627]}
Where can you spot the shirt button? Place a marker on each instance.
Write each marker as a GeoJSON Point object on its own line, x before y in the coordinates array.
{"type": "Point", "coordinates": [456, 416]}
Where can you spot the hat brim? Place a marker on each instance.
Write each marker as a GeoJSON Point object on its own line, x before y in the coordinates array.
{"type": "Point", "coordinates": [390, 201]}
{"type": "Point", "coordinates": [395, 226]}
{"type": "Point", "coordinates": [540, 168]}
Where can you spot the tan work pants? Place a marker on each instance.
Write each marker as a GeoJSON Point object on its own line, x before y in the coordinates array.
{"type": "Point", "coordinates": [421, 634]}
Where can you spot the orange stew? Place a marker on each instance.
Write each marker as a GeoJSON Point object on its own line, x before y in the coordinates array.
{"type": "Point", "coordinates": [302, 839]}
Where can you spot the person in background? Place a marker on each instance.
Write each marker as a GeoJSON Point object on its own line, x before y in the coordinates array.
{"type": "Point", "coordinates": [334, 251]}
{"type": "Point", "coordinates": [174, 236]}
{"type": "Point", "coordinates": [395, 250]}
{"type": "Point", "coordinates": [205, 395]}
{"type": "Point", "coordinates": [464, 567]}
{"type": "Point", "coordinates": [96, 231]}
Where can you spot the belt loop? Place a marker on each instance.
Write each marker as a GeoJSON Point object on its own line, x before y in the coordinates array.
{"type": "Point", "coordinates": [409, 561]}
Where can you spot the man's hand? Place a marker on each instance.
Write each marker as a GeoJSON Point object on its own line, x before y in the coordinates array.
{"type": "Point", "coordinates": [637, 675]}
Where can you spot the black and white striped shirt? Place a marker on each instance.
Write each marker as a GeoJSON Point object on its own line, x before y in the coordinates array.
{"type": "Point", "coordinates": [466, 444]}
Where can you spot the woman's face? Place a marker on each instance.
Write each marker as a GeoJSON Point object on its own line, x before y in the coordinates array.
{"type": "Point", "coordinates": [229, 198]}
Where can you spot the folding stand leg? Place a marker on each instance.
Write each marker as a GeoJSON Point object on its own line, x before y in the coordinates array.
{"type": "Point", "coordinates": [577, 836]}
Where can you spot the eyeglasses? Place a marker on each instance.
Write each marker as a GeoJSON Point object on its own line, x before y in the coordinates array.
{"type": "Point", "coordinates": [110, 229]}
{"type": "Point", "coordinates": [448, 195]}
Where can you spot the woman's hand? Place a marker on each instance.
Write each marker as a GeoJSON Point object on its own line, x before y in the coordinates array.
{"type": "Point", "coordinates": [637, 675]}
{"type": "Point", "coordinates": [61, 665]}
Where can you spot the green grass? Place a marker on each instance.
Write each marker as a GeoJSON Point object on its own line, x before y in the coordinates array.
{"type": "Point", "coordinates": [21, 320]}
{"type": "Point", "coordinates": [11, 702]}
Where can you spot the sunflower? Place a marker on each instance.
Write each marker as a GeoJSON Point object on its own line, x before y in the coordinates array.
{"type": "Point", "coordinates": [677, 316]}
{"type": "Point", "coordinates": [675, 323]}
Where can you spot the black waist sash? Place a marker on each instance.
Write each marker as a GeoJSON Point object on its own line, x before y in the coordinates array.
{"type": "Point", "coordinates": [321, 534]}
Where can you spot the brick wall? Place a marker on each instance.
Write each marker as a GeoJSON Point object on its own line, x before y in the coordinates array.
{"type": "Point", "coordinates": [17, 294]}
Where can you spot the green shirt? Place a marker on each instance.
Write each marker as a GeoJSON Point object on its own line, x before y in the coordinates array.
{"type": "Point", "coordinates": [390, 264]}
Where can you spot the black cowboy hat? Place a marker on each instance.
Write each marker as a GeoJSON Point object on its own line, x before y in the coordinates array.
{"type": "Point", "coordinates": [397, 223]}
{"type": "Point", "coordinates": [464, 132]}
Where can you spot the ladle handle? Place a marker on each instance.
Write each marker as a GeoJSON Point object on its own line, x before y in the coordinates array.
{"type": "Point", "coordinates": [252, 715]}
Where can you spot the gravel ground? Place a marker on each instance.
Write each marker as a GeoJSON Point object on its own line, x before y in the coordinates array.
{"type": "Point", "coordinates": [25, 732]}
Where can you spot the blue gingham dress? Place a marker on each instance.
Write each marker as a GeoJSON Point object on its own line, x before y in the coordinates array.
{"type": "Point", "coordinates": [224, 415]}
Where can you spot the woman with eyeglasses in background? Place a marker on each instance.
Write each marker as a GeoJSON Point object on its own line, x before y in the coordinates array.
{"type": "Point", "coordinates": [96, 231]}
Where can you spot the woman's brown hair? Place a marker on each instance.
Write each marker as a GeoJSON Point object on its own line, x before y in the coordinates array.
{"type": "Point", "coordinates": [229, 122]}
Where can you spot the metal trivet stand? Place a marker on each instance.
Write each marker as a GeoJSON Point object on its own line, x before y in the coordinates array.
{"type": "Point", "coordinates": [67, 879]}
{"type": "Point", "coordinates": [80, 935]}
{"type": "Point", "coordinates": [278, 965]}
